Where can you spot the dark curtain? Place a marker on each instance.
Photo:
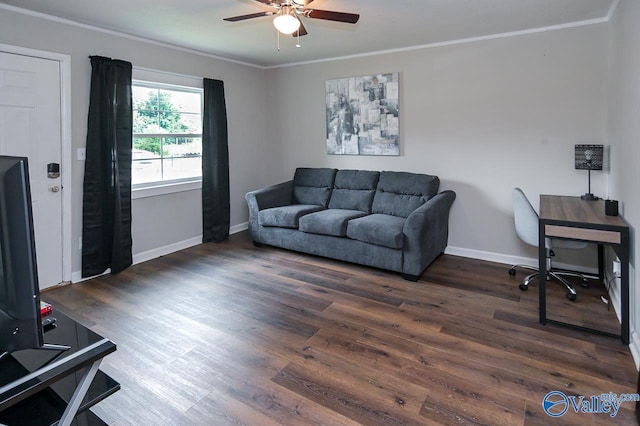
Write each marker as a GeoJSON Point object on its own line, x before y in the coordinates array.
{"type": "Point", "coordinates": [215, 164]}
{"type": "Point", "coordinates": [106, 203]}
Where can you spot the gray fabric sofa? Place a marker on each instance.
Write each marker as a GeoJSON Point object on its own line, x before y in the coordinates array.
{"type": "Point", "coordinates": [391, 220]}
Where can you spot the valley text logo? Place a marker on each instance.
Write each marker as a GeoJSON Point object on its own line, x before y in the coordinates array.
{"type": "Point", "coordinates": [556, 403]}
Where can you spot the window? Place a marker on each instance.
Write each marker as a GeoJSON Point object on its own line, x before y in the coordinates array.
{"type": "Point", "coordinates": [167, 134]}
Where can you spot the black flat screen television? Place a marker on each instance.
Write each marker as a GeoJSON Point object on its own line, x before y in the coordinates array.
{"type": "Point", "coordinates": [20, 319]}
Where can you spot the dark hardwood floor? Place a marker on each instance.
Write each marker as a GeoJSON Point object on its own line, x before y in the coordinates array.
{"type": "Point", "coordinates": [231, 334]}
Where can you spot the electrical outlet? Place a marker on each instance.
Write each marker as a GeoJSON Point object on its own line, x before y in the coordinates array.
{"type": "Point", "coordinates": [617, 269]}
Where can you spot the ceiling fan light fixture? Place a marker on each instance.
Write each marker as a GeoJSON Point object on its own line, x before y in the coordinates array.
{"type": "Point", "coordinates": [286, 23]}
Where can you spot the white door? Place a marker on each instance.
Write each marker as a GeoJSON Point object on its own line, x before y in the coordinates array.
{"type": "Point", "coordinates": [30, 111]}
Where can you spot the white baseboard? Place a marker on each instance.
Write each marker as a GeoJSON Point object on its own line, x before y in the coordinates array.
{"type": "Point", "coordinates": [162, 251]}
{"type": "Point", "coordinates": [147, 255]}
{"type": "Point", "coordinates": [76, 276]}
{"type": "Point", "coordinates": [165, 250]}
{"type": "Point", "coordinates": [239, 228]}
{"type": "Point", "coordinates": [512, 260]}
{"type": "Point", "coordinates": [490, 257]}
{"type": "Point", "coordinates": [455, 251]}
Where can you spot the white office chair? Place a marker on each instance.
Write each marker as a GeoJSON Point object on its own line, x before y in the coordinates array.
{"type": "Point", "coordinates": [526, 220]}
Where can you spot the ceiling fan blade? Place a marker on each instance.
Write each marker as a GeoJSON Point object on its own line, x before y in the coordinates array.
{"type": "Point", "coordinates": [269, 2]}
{"type": "Point", "coordinates": [349, 18]}
{"type": "Point", "coordinates": [249, 16]}
{"type": "Point", "coordinates": [302, 30]}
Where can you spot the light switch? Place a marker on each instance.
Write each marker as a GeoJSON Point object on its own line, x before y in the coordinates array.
{"type": "Point", "coordinates": [82, 154]}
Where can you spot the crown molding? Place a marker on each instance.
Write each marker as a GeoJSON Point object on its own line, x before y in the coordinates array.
{"type": "Point", "coordinates": [122, 34]}
{"type": "Point", "coordinates": [557, 27]}
{"type": "Point", "coordinates": [457, 42]}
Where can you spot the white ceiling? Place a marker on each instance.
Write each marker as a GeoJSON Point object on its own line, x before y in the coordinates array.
{"type": "Point", "coordinates": [384, 24]}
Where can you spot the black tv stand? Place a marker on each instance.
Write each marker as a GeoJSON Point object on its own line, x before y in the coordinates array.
{"type": "Point", "coordinates": [60, 383]}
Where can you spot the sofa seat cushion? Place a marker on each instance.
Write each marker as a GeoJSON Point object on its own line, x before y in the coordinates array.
{"type": "Point", "coordinates": [286, 216]}
{"type": "Point", "coordinates": [379, 229]}
{"type": "Point", "coordinates": [329, 222]}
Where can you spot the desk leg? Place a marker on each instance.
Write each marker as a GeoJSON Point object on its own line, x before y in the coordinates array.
{"type": "Point", "coordinates": [79, 394]}
{"type": "Point", "coordinates": [542, 274]}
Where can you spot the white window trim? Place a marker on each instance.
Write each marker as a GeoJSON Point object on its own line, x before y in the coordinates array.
{"type": "Point", "coordinates": [160, 79]}
{"type": "Point", "coordinates": [156, 188]}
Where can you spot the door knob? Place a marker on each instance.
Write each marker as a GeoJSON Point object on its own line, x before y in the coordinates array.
{"type": "Point", "coordinates": [54, 188]}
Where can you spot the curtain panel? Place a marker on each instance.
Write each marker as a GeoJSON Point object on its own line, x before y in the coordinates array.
{"type": "Point", "coordinates": [215, 164]}
{"type": "Point", "coordinates": [106, 203]}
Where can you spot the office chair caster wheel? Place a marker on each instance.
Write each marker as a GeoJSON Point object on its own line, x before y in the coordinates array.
{"type": "Point", "coordinates": [571, 296]}
{"type": "Point", "coordinates": [512, 272]}
{"type": "Point", "coordinates": [584, 283]}
{"type": "Point", "coordinates": [523, 287]}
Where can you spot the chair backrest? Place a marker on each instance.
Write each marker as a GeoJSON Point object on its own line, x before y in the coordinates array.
{"type": "Point", "coordinates": [525, 217]}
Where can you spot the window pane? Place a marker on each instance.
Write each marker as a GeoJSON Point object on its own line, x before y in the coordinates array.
{"type": "Point", "coordinates": [164, 115]}
{"type": "Point", "coordinates": [165, 101]}
{"type": "Point", "coordinates": [146, 148]}
{"type": "Point", "coordinates": [145, 121]}
{"type": "Point", "coordinates": [145, 98]}
{"type": "Point", "coordinates": [182, 167]}
{"type": "Point", "coordinates": [171, 122]}
{"type": "Point", "coordinates": [184, 159]}
{"type": "Point", "coordinates": [183, 147]}
{"type": "Point", "coordinates": [193, 122]}
{"type": "Point", "coordinates": [183, 101]}
{"type": "Point", "coordinates": [146, 167]}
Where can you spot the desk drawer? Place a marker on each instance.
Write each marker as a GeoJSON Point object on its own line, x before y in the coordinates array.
{"type": "Point", "coordinates": [596, 235]}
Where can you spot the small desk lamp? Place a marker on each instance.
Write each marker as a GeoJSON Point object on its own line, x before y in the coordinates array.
{"type": "Point", "coordinates": [589, 157]}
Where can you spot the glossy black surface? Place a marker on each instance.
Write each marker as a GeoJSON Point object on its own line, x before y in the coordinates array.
{"type": "Point", "coordinates": [42, 398]}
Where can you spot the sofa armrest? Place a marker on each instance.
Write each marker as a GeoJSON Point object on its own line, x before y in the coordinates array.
{"type": "Point", "coordinates": [426, 232]}
{"type": "Point", "coordinates": [272, 196]}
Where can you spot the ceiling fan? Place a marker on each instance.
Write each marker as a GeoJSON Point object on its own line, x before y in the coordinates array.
{"type": "Point", "coordinates": [288, 12]}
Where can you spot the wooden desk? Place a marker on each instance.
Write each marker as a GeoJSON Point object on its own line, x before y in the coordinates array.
{"type": "Point", "coordinates": [576, 219]}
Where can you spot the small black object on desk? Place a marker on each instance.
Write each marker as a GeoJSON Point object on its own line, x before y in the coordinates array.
{"type": "Point", "coordinates": [611, 207]}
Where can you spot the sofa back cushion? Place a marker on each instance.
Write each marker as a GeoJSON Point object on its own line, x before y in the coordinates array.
{"type": "Point", "coordinates": [313, 186]}
{"type": "Point", "coordinates": [400, 193]}
{"type": "Point", "coordinates": [354, 190]}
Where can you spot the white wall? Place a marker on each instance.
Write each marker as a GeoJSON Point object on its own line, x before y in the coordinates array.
{"type": "Point", "coordinates": [623, 132]}
{"type": "Point", "coordinates": [163, 221]}
{"type": "Point", "coordinates": [484, 116]}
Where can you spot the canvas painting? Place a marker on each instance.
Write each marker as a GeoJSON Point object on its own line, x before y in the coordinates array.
{"type": "Point", "coordinates": [363, 115]}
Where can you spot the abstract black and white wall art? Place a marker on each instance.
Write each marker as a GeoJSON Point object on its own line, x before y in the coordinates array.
{"type": "Point", "coordinates": [363, 115]}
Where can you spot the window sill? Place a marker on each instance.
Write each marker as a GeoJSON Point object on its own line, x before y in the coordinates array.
{"type": "Point", "coordinates": [165, 188]}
